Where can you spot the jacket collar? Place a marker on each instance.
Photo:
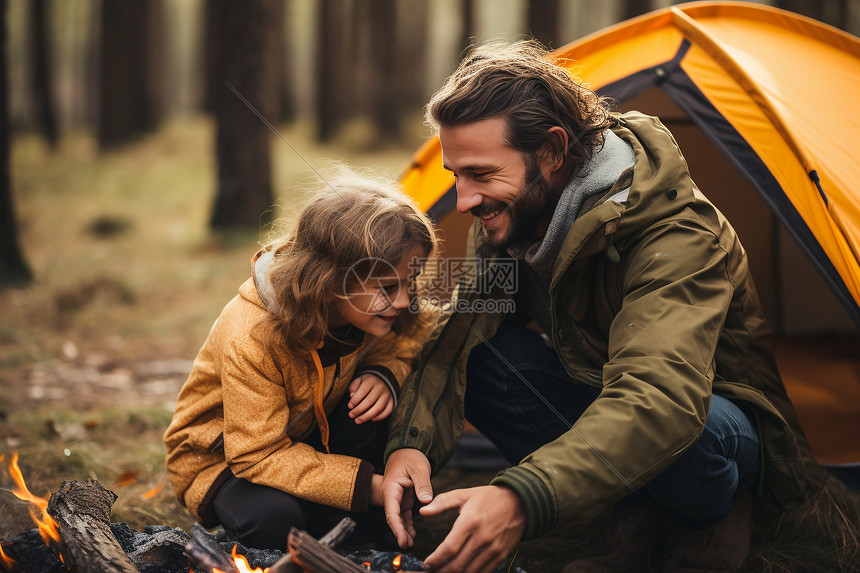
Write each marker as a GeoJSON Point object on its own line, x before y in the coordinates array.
{"type": "Point", "coordinates": [598, 176]}
{"type": "Point", "coordinates": [660, 186]}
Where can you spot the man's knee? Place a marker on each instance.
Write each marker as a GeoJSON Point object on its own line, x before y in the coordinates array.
{"type": "Point", "coordinates": [699, 496]}
{"type": "Point", "coordinates": [707, 480]}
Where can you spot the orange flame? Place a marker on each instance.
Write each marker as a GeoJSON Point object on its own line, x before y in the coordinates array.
{"type": "Point", "coordinates": [48, 528]}
{"type": "Point", "coordinates": [242, 565]}
{"type": "Point", "coordinates": [7, 561]}
{"type": "Point", "coordinates": [396, 561]}
{"type": "Point", "coordinates": [154, 491]}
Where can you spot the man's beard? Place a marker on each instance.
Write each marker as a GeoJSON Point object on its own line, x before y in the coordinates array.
{"type": "Point", "coordinates": [535, 203]}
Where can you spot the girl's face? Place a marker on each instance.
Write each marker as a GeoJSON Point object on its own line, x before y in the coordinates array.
{"type": "Point", "coordinates": [374, 305]}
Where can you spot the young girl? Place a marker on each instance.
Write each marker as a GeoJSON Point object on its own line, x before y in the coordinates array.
{"type": "Point", "coordinates": [279, 424]}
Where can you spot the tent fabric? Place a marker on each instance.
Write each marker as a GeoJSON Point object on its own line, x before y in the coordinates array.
{"type": "Point", "coordinates": [772, 90]}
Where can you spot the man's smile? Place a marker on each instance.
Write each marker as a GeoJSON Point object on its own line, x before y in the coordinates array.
{"type": "Point", "coordinates": [490, 217]}
{"type": "Point", "coordinates": [489, 211]}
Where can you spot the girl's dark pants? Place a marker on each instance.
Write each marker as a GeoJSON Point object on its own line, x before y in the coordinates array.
{"type": "Point", "coordinates": [261, 517]}
{"type": "Point", "coordinates": [700, 488]}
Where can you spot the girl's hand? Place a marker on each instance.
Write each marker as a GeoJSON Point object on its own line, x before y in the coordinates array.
{"type": "Point", "coordinates": [376, 489]}
{"type": "Point", "coordinates": [369, 399]}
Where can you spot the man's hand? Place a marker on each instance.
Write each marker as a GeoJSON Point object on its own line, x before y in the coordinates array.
{"type": "Point", "coordinates": [407, 471]}
{"type": "Point", "coordinates": [369, 399]}
{"type": "Point", "coordinates": [491, 523]}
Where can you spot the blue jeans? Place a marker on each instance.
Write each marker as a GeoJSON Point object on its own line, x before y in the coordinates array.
{"type": "Point", "coordinates": [701, 487]}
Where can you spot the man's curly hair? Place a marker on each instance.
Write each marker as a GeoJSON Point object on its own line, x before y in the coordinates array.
{"type": "Point", "coordinates": [520, 82]}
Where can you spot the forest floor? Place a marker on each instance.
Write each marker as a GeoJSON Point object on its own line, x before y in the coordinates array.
{"type": "Point", "coordinates": [128, 280]}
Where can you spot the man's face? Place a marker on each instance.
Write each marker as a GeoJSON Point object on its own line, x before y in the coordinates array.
{"type": "Point", "coordinates": [496, 183]}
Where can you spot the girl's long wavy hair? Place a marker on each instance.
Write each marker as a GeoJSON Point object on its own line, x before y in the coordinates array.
{"type": "Point", "coordinates": [351, 228]}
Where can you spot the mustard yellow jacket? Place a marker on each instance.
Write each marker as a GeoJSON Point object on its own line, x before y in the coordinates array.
{"type": "Point", "coordinates": [244, 410]}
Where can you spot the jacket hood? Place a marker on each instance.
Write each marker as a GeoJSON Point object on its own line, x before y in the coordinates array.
{"type": "Point", "coordinates": [260, 292]}
{"type": "Point", "coordinates": [261, 268]}
{"type": "Point", "coordinates": [659, 186]}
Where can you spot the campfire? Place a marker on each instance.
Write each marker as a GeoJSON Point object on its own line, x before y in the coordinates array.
{"type": "Point", "coordinates": [45, 523]}
{"type": "Point", "coordinates": [74, 533]}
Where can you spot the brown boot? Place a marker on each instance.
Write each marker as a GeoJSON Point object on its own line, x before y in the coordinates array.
{"type": "Point", "coordinates": [628, 545]}
{"type": "Point", "coordinates": [720, 548]}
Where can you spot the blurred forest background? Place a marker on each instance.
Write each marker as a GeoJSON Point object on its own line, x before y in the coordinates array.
{"type": "Point", "coordinates": [136, 182]}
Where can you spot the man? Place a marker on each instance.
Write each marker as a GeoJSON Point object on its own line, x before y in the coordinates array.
{"type": "Point", "coordinates": [656, 394]}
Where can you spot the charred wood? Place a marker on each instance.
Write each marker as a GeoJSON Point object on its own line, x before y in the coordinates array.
{"type": "Point", "coordinates": [331, 539]}
{"type": "Point", "coordinates": [205, 553]}
{"type": "Point", "coordinates": [314, 557]}
{"type": "Point", "coordinates": [82, 511]}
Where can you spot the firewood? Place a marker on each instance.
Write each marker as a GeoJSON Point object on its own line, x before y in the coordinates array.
{"type": "Point", "coordinates": [82, 510]}
{"type": "Point", "coordinates": [331, 539]}
{"type": "Point", "coordinates": [205, 553]}
{"type": "Point", "coordinates": [314, 557]}
{"type": "Point", "coordinates": [338, 533]}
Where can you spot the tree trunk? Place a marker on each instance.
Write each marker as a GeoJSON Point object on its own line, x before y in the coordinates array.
{"type": "Point", "coordinates": [245, 56]}
{"type": "Point", "coordinates": [543, 18]}
{"type": "Point", "coordinates": [412, 50]}
{"type": "Point", "coordinates": [843, 13]}
{"type": "Point", "coordinates": [633, 8]}
{"type": "Point", "coordinates": [13, 269]}
{"type": "Point", "coordinates": [333, 78]}
{"type": "Point", "coordinates": [286, 111]}
{"type": "Point", "coordinates": [209, 41]}
{"type": "Point", "coordinates": [384, 85]}
{"type": "Point", "coordinates": [467, 32]}
{"type": "Point", "coordinates": [810, 8]}
{"type": "Point", "coordinates": [40, 60]}
{"type": "Point", "coordinates": [129, 90]}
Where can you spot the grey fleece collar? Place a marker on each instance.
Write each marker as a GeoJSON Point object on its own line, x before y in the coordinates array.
{"type": "Point", "coordinates": [597, 176]}
{"type": "Point", "coordinates": [263, 280]}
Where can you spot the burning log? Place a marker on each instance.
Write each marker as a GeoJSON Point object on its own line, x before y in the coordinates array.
{"type": "Point", "coordinates": [205, 553]}
{"type": "Point", "coordinates": [314, 557]}
{"type": "Point", "coordinates": [331, 539]}
{"type": "Point", "coordinates": [320, 557]}
{"type": "Point", "coordinates": [82, 511]}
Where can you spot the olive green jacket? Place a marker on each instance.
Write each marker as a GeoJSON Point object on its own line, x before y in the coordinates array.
{"type": "Point", "coordinates": [652, 301]}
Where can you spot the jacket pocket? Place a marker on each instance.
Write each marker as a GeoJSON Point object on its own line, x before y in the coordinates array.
{"type": "Point", "coordinates": [590, 377]}
{"type": "Point", "coordinates": [217, 445]}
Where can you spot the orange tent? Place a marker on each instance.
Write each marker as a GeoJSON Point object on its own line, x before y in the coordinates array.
{"type": "Point", "coordinates": [762, 102]}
